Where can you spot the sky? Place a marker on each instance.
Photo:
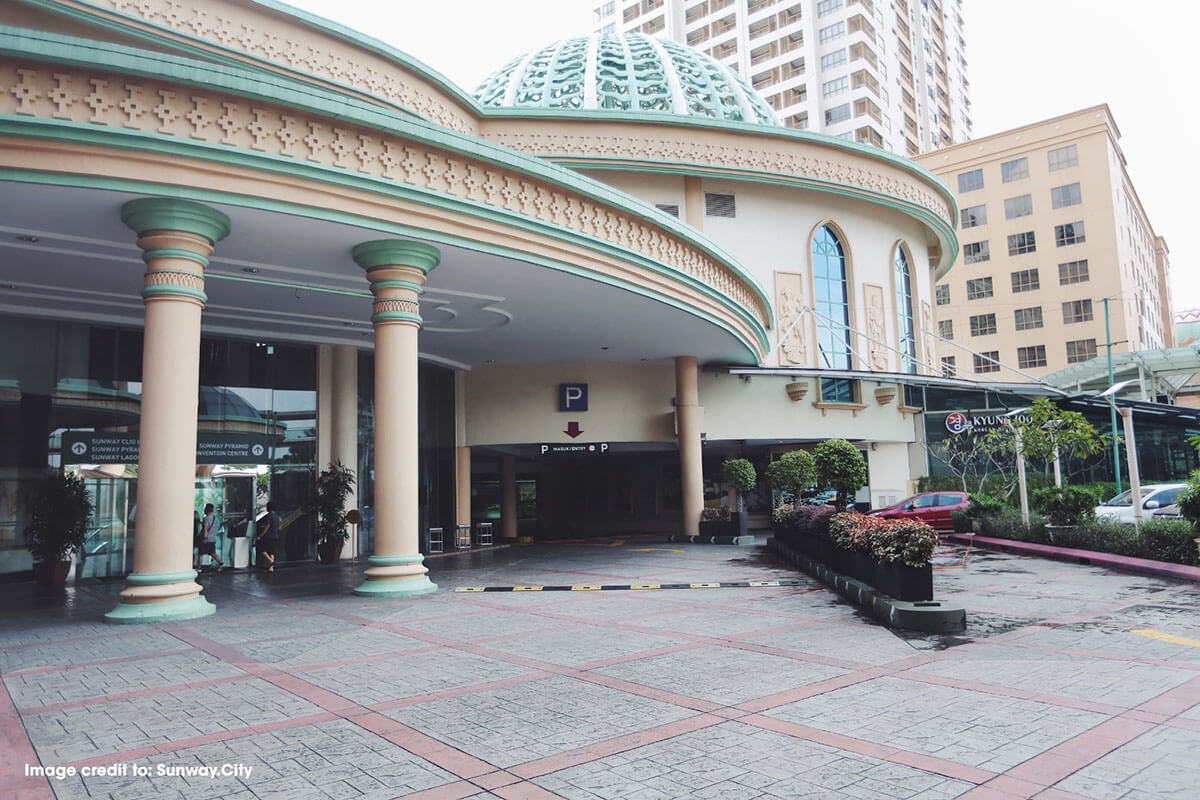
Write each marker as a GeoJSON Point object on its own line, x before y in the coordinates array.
{"type": "Point", "coordinates": [1027, 60]}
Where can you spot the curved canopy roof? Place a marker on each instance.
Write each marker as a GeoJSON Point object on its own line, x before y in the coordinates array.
{"type": "Point", "coordinates": [624, 72]}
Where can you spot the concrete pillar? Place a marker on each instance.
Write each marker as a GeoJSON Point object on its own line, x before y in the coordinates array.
{"type": "Point", "coordinates": [693, 202]}
{"type": "Point", "coordinates": [176, 237]}
{"type": "Point", "coordinates": [508, 498]}
{"type": "Point", "coordinates": [396, 270]}
{"type": "Point", "coordinates": [324, 405]}
{"type": "Point", "coordinates": [462, 484]}
{"type": "Point", "coordinates": [344, 423]}
{"type": "Point", "coordinates": [689, 414]}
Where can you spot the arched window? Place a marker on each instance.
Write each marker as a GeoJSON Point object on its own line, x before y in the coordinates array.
{"type": "Point", "coordinates": [904, 310]}
{"type": "Point", "coordinates": [831, 299]}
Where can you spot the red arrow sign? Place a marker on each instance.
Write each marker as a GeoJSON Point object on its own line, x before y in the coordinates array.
{"type": "Point", "coordinates": [573, 429]}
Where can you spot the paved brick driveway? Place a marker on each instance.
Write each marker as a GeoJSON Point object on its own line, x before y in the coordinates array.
{"type": "Point", "coordinates": [1071, 682]}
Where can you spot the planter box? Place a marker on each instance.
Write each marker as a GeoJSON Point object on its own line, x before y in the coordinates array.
{"type": "Point", "coordinates": [859, 566]}
{"type": "Point", "coordinates": [736, 526]}
{"type": "Point", "coordinates": [902, 582]}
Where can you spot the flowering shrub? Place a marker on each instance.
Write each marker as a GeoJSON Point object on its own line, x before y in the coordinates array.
{"type": "Point", "coordinates": [889, 540]}
{"type": "Point", "coordinates": [781, 514]}
{"type": "Point", "coordinates": [714, 515]}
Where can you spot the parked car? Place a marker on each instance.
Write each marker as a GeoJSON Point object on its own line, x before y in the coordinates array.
{"type": "Point", "coordinates": [1155, 497]}
{"type": "Point", "coordinates": [932, 508]}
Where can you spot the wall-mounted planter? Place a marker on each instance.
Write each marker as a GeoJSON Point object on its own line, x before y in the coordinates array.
{"type": "Point", "coordinates": [797, 390]}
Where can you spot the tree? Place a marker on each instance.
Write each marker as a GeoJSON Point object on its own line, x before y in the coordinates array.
{"type": "Point", "coordinates": [740, 474]}
{"type": "Point", "coordinates": [792, 471]}
{"type": "Point", "coordinates": [1048, 432]}
{"type": "Point", "coordinates": [972, 458]}
{"type": "Point", "coordinates": [841, 467]}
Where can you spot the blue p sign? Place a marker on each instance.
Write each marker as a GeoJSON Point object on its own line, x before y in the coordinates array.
{"type": "Point", "coordinates": [572, 397]}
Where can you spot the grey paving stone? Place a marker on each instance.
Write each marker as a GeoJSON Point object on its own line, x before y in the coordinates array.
{"type": "Point", "coordinates": [1160, 763]}
{"type": "Point", "coordinates": [514, 724]}
{"type": "Point", "coordinates": [770, 765]}
{"type": "Point", "coordinates": [960, 725]}
{"type": "Point", "coordinates": [327, 647]}
{"type": "Point", "coordinates": [580, 645]}
{"type": "Point", "coordinates": [118, 643]}
{"type": "Point", "coordinates": [724, 675]}
{"type": "Point", "coordinates": [859, 641]}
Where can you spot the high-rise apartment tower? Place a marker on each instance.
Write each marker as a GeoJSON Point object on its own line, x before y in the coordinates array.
{"type": "Point", "coordinates": [890, 73]}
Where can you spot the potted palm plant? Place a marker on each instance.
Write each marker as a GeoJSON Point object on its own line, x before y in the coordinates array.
{"type": "Point", "coordinates": [59, 512]}
{"type": "Point", "coordinates": [331, 529]}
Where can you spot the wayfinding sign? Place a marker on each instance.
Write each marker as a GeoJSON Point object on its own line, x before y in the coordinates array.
{"type": "Point", "coordinates": [574, 449]}
{"type": "Point", "coordinates": [90, 447]}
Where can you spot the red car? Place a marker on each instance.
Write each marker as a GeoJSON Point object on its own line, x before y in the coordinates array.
{"type": "Point", "coordinates": [932, 508]}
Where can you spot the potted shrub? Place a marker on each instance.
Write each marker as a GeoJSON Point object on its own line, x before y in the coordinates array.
{"type": "Point", "coordinates": [852, 534]}
{"type": "Point", "coordinates": [58, 518]}
{"type": "Point", "coordinates": [903, 551]}
{"type": "Point", "coordinates": [329, 512]}
{"type": "Point", "coordinates": [982, 506]}
{"type": "Point", "coordinates": [1064, 508]}
{"type": "Point", "coordinates": [719, 522]}
{"type": "Point", "coordinates": [740, 475]}
{"type": "Point", "coordinates": [841, 467]}
{"type": "Point", "coordinates": [1189, 503]}
{"type": "Point", "coordinates": [791, 472]}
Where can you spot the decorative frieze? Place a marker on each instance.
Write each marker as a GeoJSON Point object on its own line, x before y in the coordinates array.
{"type": "Point", "coordinates": [877, 352]}
{"type": "Point", "coordinates": [793, 333]}
{"type": "Point", "coordinates": [782, 157]}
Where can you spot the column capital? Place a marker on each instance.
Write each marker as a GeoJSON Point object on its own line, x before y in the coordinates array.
{"type": "Point", "coordinates": [147, 214]}
{"type": "Point", "coordinates": [396, 253]}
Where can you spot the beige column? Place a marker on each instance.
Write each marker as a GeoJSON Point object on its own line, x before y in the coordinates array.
{"type": "Point", "coordinates": [396, 270]}
{"type": "Point", "coordinates": [691, 466]}
{"type": "Point", "coordinates": [344, 423]}
{"type": "Point", "coordinates": [693, 202]}
{"type": "Point", "coordinates": [176, 237]}
{"type": "Point", "coordinates": [462, 483]}
{"type": "Point", "coordinates": [508, 498]}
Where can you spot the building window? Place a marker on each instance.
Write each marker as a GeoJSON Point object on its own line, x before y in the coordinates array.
{"type": "Point", "coordinates": [1063, 157]}
{"type": "Point", "coordinates": [946, 328]}
{"type": "Point", "coordinates": [1028, 318]}
{"type": "Point", "coordinates": [983, 324]}
{"type": "Point", "coordinates": [1077, 311]}
{"type": "Point", "coordinates": [941, 294]}
{"type": "Point", "coordinates": [974, 252]}
{"type": "Point", "coordinates": [1073, 272]}
{"type": "Point", "coordinates": [1025, 280]}
{"type": "Point", "coordinates": [719, 205]}
{"type": "Point", "coordinates": [970, 181]}
{"type": "Point", "coordinates": [988, 361]}
{"type": "Point", "coordinates": [1018, 206]}
{"type": "Point", "coordinates": [973, 216]}
{"type": "Point", "coordinates": [837, 114]}
{"type": "Point", "coordinates": [1070, 233]}
{"type": "Point", "coordinates": [948, 368]}
{"type": "Point", "coordinates": [1063, 196]}
{"type": "Point", "coordinates": [831, 32]}
{"type": "Point", "coordinates": [1014, 170]}
{"type": "Point", "coordinates": [828, 6]}
{"type": "Point", "coordinates": [979, 288]}
{"type": "Point", "coordinates": [1021, 243]}
{"type": "Point", "coordinates": [904, 309]}
{"type": "Point", "coordinates": [673, 210]}
{"type": "Point", "coordinates": [836, 86]}
{"type": "Point", "coordinates": [1029, 357]}
{"type": "Point", "coordinates": [833, 310]}
{"type": "Point", "coordinates": [1081, 350]}
{"type": "Point", "coordinates": [834, 59]}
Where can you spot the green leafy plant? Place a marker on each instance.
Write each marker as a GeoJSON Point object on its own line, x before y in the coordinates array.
{"type": "Point", "coordinates": [792, 471]}
{"type": "Point", "coordinates": [852, 531]}
{"type": "Point", "coordinates": [59, 512]}
{"type": "Point", "coordinates": [982, 505]}
{"type": "Point", "coordinates": [1189, 500]}
{"type": "Point", "coordinates": [740, 474]}
{"type": "Point", "coordinates": [714, 515]}
{"type": "Point", "coordinates": [908, 541]}
{"type": "Point", "coordinates": [1070, 505]}
{"type": "Point", "coordinates": [841, 467]}
{"type": "Point", "coordinates": [328, 506]}
{"type": "Point", "coordinates": [1047, 432]}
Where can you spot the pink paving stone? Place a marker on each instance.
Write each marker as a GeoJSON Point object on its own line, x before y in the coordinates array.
{"type": "Point", "coordinates": [806, 691]}
{"type": "Point", "coordinates": [450, 791]}
{"type": "Point", "coordinates": [1015, 787]}
{"type": "Point", "coordinates": [1012, 691]}
{"type": "Point", "coordinates": [430, 749]}
{"type": "Point", "coordinates": [323, 698]}
{"type": "Point", "coordinates": [18, 751]}
{"type": "Point", "coordinates": [493, 780]}
{"type": "Point", "coordinates": [401, 702]}
{"type": "Point", "coordinates": [1050, 767]}
{"type": "Point", "coordinates": [102, 662]}
{"type": "Point", "coordinates": [524, 791]}
{"type": "Point", "coordinates": [651, 693]}
{"type": "Point", "coordinates": [860, 746]}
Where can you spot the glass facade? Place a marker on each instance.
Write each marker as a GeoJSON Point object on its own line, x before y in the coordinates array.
{"type": "Point", "coordinates": [70, 398]}
{"type": "Point", "coordinates": [904, 310]}
{"type": "Point", "coordinates": [833, 313]}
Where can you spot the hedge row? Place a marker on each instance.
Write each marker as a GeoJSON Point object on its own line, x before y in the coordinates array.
{"type": "Point", "coordinates": [888, 541]}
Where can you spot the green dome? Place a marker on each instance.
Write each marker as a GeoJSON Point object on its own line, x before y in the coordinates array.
{"type": "Point", "coordinates": [625, 73]}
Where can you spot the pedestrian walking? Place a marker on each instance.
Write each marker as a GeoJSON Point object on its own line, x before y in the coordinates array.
{"type": "Point", "coordinates": [267, 539]}
{"type": "Point", "coordinates": [208, 537]}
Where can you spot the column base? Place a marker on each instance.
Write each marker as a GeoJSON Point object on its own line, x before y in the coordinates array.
{"type": "Point", "coordinates": [396, 576]}
{"type": "Point", "coordinates": [161, 597]}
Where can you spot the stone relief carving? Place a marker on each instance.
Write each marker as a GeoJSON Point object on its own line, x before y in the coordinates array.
{"type": "Point", "coordinates": [240, 29]}
{"type": "Point", "coordinates": [184, 112]}
{"type": "Point", "coordinates": [877, 353]}
{"type": "Point", "coordinates": [784, 158]}
{"type": "Point", "coordinates": [789, 306]}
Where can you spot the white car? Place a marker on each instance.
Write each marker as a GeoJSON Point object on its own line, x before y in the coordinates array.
{"type": "Point", "coordinates": [1154, 497]}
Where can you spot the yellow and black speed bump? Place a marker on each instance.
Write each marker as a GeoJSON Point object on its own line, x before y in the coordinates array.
{"type": "Point", "coordinates": [634, 587]}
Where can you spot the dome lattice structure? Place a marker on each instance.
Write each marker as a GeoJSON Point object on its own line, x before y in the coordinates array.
{"type": "Point", "coordinates": [624, 72]}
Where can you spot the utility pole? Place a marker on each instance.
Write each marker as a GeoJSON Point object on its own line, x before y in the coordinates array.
{"type": "Point", "coordinates": [1112, 409]}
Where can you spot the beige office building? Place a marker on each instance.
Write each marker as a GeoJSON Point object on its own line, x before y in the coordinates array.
{"type": "Point", "coordinates": [1051, 226]}
{"type": "Point", "coordinates": [888, 74]}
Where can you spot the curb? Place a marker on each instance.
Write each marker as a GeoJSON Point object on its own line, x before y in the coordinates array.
{"type": "Point", "coordinates": [1137, 566]}
{"type": "Point", "coordinates": [928, 616]}
{"type": "Point", "coordinates": [740, 540]}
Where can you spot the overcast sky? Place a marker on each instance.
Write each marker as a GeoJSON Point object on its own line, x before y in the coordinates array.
{"type": "Point", "coordinates": [1028, 60]}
